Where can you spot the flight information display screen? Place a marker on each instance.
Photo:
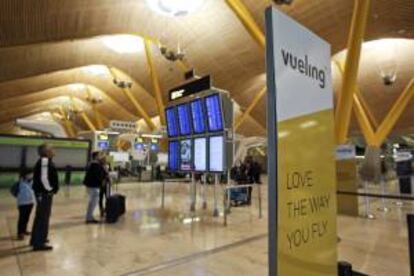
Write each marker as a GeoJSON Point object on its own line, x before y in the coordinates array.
{"type": "Point", "coordinates": [216, 153]}
{"type": "Point", "coordinates": [214, 113]}
{"type": "Point", "coordinates": [183, 111]}
{"type": "Point", "coordinates": [200, 154]}
{"type": "Point", "coordinates": [197, 114]}
{"type": "Point", "coordinates": [172, 123]}
{"type": "Point", "coordinates": [185, 155]}
{"type": "Point", "coordinates": [173, 155]}
{"type": "Point", "coordinates": [103, 145]}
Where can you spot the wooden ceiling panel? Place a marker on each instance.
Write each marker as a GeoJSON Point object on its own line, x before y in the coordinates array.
{"type": "Point", "coordinates": [38, 37]}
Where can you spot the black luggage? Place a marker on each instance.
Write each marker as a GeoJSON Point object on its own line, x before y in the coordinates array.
{"type": "Point", "coordinates": [121, 203]}
{"type": "Point", "coordinates": [112, 209]}
{"type": "Point", "coordinates": [115, 205]}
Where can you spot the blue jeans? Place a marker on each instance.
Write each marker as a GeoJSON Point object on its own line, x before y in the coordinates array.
{"type": "Point", "coordinates": [93, 194]}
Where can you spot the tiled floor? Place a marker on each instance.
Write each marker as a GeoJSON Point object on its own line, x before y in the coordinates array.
{"type": "Point", "coordinates": [174, 241]}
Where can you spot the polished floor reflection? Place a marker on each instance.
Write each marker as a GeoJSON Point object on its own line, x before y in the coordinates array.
{"type": "Point", "coordinates": [149, 240]}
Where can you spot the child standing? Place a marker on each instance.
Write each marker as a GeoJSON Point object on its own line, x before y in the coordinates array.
{"type": "Point", "coordinates": [25, 202]}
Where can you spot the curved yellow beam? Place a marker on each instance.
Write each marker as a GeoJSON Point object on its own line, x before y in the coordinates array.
{"type": "Point", "coordinates": [94, 104]}
{"type": "Point", "coordinates": [133, 100]}
{"type": "Point", "coordinates": [155, 80]}
{"type": "Point", "coordinates": [345, 97]}
{"type": "Point", "coordinates": [395, 113]}
{"type": "Point", "coordinates": [361, 113]}
{"type": "Point", "coordinates": [248, 21]}
{"type": "Point", "coordinates": [240, 120]}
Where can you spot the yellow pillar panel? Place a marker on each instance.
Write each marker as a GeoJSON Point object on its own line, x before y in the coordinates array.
{"type": "Point", "coordinates": [155, 80]}
{"type": "Point", "coordinates": [248, 21]}
{"type": "Point", "coordinates": [345, 98]}
{"type": "Point", "coordinates": [392, 117]}
{"type": "Point", "coordinates": [240, 120]}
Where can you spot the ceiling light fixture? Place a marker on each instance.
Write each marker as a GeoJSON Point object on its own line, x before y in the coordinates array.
{"type": "Point", "coordinates": [96, 70]}
{"type": "Point", "coordinates": [175, 8]}
{"type": "Point", "coordinates": [124, 44]}
{"type": "Point", "coordinates": [385, 56]}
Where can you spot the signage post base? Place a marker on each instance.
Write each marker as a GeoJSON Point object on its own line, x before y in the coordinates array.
{"type": "Point", "coordinates": [216, 212]}
{"type": "Point", "coordinates": [193, 193]}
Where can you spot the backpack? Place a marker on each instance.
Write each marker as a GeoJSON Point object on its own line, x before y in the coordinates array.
{"type": "Point", "coordinates": [14, 190]}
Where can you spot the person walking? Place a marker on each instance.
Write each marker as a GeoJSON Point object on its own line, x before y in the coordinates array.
{"type": "Point", "coordinates": [94, 179]}
{"type": "Point", "coordinates": [25, 202]}
{"type": "Point", "coordinates": [45, 185]}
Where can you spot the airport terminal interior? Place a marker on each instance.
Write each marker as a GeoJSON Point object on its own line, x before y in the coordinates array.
{"type": "Point", "coordinates": [206, 137]}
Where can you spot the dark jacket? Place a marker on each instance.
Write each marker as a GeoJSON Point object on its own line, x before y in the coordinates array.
{"type": "Point", "coordinates": [95, 175]}
{"type": "Point", "coordinates": [45, 177]}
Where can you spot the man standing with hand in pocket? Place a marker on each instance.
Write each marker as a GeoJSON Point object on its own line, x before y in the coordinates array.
{"type": "Point", "coordinates": [45, 185]}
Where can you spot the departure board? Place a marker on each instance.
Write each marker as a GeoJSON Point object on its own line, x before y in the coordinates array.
{"type": "Point", "coordinates": [172, 123]}
{"type": "Point", "coordinates": [173, 155]}
{"type": "Point", "coordinates": [197, 114]}
{"type": "Point", "coordinates": [184, 122]}
{"type": "Point", "coordinates": [214, 113]}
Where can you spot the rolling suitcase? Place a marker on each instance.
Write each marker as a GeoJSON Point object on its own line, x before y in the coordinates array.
{"type": "Point", "coordinates": [112, 209]}
{"type": "Point", "coordinates": [115, 205]}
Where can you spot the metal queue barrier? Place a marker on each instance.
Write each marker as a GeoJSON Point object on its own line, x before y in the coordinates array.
{"type": "Point", "coordinates": [227, 201]}
{"type": "Point", "coordinates": [193, 193]}
{"type": "Point", "coordinates": [172, 180]}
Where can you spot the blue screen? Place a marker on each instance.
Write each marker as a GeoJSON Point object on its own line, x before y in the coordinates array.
{"type": "Point", "coordinates": [184, 119]}
{"type": "Point", "coordinates": [154, 147]}
{"type": "Point", "coordinates": [103, 144]}
{"type": "Point", "coordinates": [139, 146]}
{"type": "Point", "coordinates": [214, 114]}
{"type": "Point", "coordinates": [172, 124]}
{"type": "Point", "coordinates": [173, 155]}
{"type": "Point", "coordinates": [197, 113]}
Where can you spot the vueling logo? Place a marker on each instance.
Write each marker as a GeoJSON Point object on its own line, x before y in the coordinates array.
{"type": "Point", "coordinates": [304, 67]}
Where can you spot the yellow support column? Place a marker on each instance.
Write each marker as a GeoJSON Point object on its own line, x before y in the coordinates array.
{"type": "Point", "coordinates": [248, 21]}
{"type": "Point", "coordinates": [70, 131]}
{"type": "Point", "coordinates": [155, 80]}
{"type": "Point", "coordinates": [240, 120]}
{"type": "Point", "coordinates": [362, 112]}
{"type": "Point", "coordinates": [363, 122]}
{"type": "Point", "coordinates": [345, 98]}
{"type": "Point", "coordinates": [87, 121]}
{"type": "Point", "coordinates": [394, 114]}
{"type": "Point", "coordinates": [359, 97]}
{"type": "Point", "coordinates": [96, 112]}
{"type": "Point", "coordinates": [135, 103]}
{"type": "Point", "coordinates": [83, 115]}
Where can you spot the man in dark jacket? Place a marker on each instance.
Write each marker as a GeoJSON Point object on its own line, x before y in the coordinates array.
{"type": "Point", "coordinates": [94, 178]}
{"type": "Point", "coordinates": [45, 185]}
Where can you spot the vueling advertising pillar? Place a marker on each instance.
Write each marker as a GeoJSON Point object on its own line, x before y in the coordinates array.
{"type": "Point", "coordinates": [302, 192]}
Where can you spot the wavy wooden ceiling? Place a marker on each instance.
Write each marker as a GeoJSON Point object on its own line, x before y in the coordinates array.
{"type": "Point", "coordinates": [43, 44]}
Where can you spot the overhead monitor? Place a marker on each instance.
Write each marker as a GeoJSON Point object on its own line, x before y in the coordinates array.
{"type": "Point", "coordinates": [172, 123]}
{"type": "Point", "coordinates": [185, 155]}
{"type": "Point", "coordinates": [198, 118]}
{"type": "Point", "coordinates": [216, 154]}
{"type": "Point", "coordinates": [154, 147]}
{"type": "Point", "coordinates": [139, 146]}
{"type": "Point", "coordinates": [184, 122]}
{"type": "Point", "coordinates": [173, 155]}
{"type": "Point", "coordinates": [214, 113]}
{"type": "Point", "coordinates": [103, 145]}
{"type": "Point", "coordinates": [200, 154]}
